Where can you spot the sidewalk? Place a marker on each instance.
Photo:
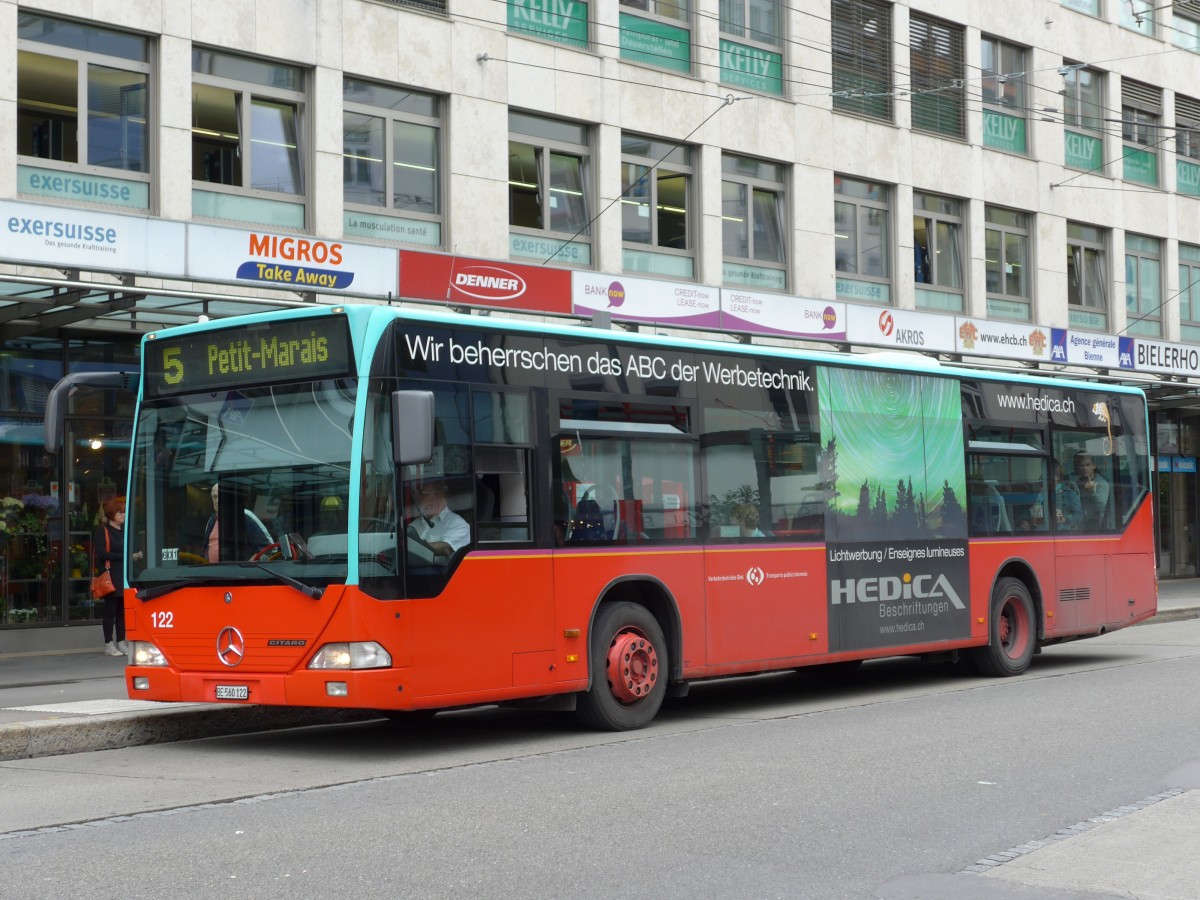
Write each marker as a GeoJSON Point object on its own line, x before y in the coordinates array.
{"type": "Point", "coordinates": [1145, 850]}
{"type": "Point", "coordinates": [75, 702]}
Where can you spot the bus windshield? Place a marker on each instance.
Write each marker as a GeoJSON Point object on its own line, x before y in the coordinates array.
{"type": "Point", "coordinates": [233, 485]}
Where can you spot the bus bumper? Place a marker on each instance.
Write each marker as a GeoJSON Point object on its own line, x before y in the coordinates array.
{"type": "Point", "coordinates": [346, 689]}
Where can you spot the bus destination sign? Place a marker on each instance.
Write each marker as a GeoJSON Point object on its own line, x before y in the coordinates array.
{"type": "Point", "coordinates": [307, 349]}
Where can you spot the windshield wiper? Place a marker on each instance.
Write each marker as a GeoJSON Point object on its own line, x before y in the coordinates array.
{"type": "Point", "coordinates": [161, 590]}
{"type": "Point", "coordinates": [307, 590]}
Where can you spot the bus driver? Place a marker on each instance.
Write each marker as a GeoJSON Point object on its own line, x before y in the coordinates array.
{"type": "Point", "coordinates": [441, 528]}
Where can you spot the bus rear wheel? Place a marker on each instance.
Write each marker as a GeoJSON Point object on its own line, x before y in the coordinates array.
{"type": "Point", "coordinates": [629, 669]}
{"type": "Point", "coordinates": [1013, 632]}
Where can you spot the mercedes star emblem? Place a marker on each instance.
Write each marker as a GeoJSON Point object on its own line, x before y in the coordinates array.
{"type": "Point", "coordinates": [231, 646]}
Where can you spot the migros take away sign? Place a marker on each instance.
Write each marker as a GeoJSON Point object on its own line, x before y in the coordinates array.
{"type": "Point", "coordinates": [300, 262]}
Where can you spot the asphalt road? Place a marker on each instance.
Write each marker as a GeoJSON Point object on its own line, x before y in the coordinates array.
{"type": "Point", "coordinates": [778, 786]}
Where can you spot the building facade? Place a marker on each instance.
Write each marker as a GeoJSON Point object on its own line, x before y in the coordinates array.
{"type": "Point", "coordinates": [1003, 184]}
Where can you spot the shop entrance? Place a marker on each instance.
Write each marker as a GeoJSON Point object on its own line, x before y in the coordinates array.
{"type": "Point", "coordinates": [1177, 442]}
{"type": "Point", "coordinates": [51, 508]}
{"type": "Point", "coordinates": [1177, 540]}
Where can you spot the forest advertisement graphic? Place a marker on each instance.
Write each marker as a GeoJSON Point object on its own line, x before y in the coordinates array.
{"type": "Point", "coordinates": [895, 522]}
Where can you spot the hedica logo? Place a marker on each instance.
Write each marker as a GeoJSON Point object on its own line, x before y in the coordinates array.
{"type": "Point", "coordinates": [890, 588]}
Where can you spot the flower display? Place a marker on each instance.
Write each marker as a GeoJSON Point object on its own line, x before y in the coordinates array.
{"type": "Point", "coordinates": [10, 509]}
{"type": "Point", "coordinates": [79, 560]}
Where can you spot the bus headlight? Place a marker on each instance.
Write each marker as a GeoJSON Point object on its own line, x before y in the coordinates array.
{"type": "Point", "coordinates": [143, 653]}
{"type": "Point", "coordinates": [355, 655]}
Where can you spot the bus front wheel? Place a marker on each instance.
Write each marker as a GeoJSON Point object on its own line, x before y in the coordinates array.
{"type": "Point", "coordinates": [629, 669]}
{"type": "Point", "coordinates": [1013, 632]}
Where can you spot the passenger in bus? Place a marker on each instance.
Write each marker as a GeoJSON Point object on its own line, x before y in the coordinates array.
{"type": "Point", "coordinates": [1068, 510]}
{"type": "Point", "coordinates": [745, 516]}
{"type": "Point", "coordinates": [440, 527]}
{"type": "Point", "coordinates": [1093, 490]}
{"type": "Point", "coordinates": [595, 516]}
{"type": "Point", "coordinates": [989, 512]}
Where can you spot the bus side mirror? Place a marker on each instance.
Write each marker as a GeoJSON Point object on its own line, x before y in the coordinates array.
{"type": "Point", "coordinates": [57, 400]}
{"type": "Point", "coordinates": [412, 427]}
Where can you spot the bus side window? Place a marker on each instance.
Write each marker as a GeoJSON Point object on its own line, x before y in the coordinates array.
{"type": "Point", "coordinates": [502, 494]}
{"type": "Point", "coordinates": [503, 447]}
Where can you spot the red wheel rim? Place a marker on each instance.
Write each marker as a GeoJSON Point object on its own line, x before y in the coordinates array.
{"type": "Point", "coordinates": [632, 666]}
{"type": "Point", "coordinates": [1014, 628]}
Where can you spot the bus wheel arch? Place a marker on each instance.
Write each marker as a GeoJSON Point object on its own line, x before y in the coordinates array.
{"type": "Point", "coordinates": [633, 642]}
{"type": "Point", "coordinates": [1021, 570]}
{"type": "Point", "coordinates": [1012, 630]}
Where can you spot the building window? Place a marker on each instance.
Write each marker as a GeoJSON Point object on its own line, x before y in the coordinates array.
{"type": "Point", "coordinates": [1187, 127]}
{"type": "Point", "coordinates": [862, 240]}
{"type": "Point", "coordinates": [1185, 25]}
{"type": "Point", "coordinates": [1089, 7]}
{"type": "Point", "coordinates": [548, 174]}
{"type": "Point", "coordinates": [752, 223]}
{"type": "Point", "coordinates": [391, 163]}
{"type": "Point", "coordinates": [1138, 15]}
{"type": "Point", "coordinates": [1189, 292]}
{"type": "Point", "coordinates": [433, 6]}
{"type": "Point", "coordinates": [247, 132]}
{"type": "Point", "coordinates": [656, 179]}
{"type": "Point", "coordinates": [1087, 277]}
{"type": "Point", "coordinates": [1141, 121]}
{"type": "Point", "coordinates": [1004, 96]}
{"type": "Point", "coordinates": [862, 58]}
{"type": "Point", "coordinates": [1143, 285]}
{"type": "Point", "coordinates": [563, 23]}
{"type": "Point", "coordinates": [1187, 145]}
{"type": "Point", "coordinates": [938, 252]}
{"type": "Point", "coordinates": [658, 33]}
{"type": "Point", "coordinates": [1007, 264]}
{"type": "Point", "coordinates": [938, 77]}
{"type": "Point", "coordinates": [758, 20]}
{"type": "Point", "coordinates": [751, 35]}
{"type": "Point", "coordinates": [82, 106]}
{"type": "Point", "coordinates": [676, 10]}
{"type": "Point", "coordinates": [1083, 117]}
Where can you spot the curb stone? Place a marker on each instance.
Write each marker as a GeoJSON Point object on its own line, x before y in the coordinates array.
{"type": "Point", "coordinates": [56, 737]}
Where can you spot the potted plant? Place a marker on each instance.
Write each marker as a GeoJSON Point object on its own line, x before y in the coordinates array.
{"type": "Point", "coordinates": [79, 561]}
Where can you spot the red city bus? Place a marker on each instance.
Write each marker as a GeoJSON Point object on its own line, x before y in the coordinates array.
{"type": "Point", "coordinates": [376, 508]}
